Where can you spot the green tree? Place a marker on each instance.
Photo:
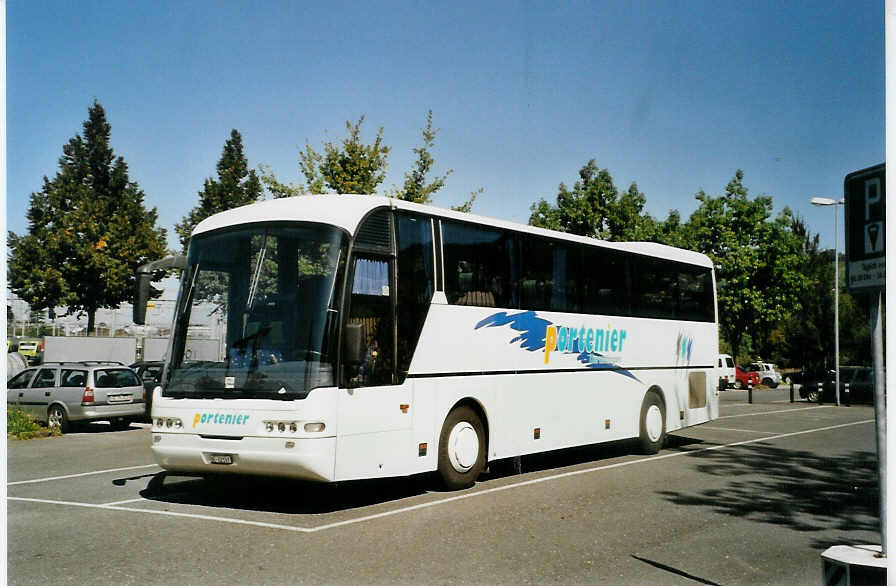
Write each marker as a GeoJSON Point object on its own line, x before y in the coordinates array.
{"type": "Point", "coordinates": [417, 187]}
{"type": "Point", "coordinates": [352, 167]}
{"type": "Point", "coordinates": [276, 188]}
{"type": "Point", "coordinates": [627, 219]}
{"type": "Point", "coordinates": [757, 262]}
{"type": "Point", "coordinates": [467, 206]}
{"type": "Point", "coordinates": [236, 186]}
{"type": "Point", "coordinates": [88, 230]}
{"type": "Point", "coordinates": [807, 335]}
{"type": "Point", "coordinates": [594, 207]}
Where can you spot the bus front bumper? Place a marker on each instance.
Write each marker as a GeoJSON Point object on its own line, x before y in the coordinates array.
{"type": "Point", "coordinates": [301, 458]}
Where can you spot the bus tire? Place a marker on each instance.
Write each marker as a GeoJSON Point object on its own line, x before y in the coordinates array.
{"type": "Point", "coordinates": [462, 449]}
{"type": "Point", "coordinates": [652, 424]}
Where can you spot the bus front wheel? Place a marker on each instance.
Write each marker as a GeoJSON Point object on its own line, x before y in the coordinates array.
{"type": "Point", "coordinates": [462, 448]}
{"type": "Point", "coordinates": [652, 424]}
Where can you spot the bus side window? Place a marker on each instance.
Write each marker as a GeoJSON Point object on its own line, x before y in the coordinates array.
{"type": "Point", "coordinates": [416, 285]}
{"type": "Point", "coordinates": [479, 265]}
{"type": "Point", "coordinates": [371, 306]}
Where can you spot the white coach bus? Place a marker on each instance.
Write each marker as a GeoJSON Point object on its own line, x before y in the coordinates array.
{"type": "Point", "coordinates": [371, 337]}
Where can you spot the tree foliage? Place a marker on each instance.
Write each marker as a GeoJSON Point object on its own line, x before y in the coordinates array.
{"type": "Point", "coordinates": [88, 230]}
{"type": "Point", "coordinates": [352, 167]}
{"type": "Point", "coordinates": [276, 188]}
{"type": "Point", "coordinates": [757, 261]}
{"type": "Point", "coordinates": [235, 186]}
{"type": "Point", "coordinates": [594, 207]}
{"type": "Point", "coordinates": [417, 187]}
{"type": "Point", "coordinates": [807, 337]}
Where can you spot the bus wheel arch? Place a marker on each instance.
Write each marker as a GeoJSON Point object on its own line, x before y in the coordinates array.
{"type": "Point", "coordinates": [463, 445]}
{"type": "Point", "coordinates": [652, 421]}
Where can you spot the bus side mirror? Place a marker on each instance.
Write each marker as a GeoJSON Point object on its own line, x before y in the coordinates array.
{"type": "Point", "coordinates": [353, 347]}
{"type": "Point", "coordinates": [145, 275]}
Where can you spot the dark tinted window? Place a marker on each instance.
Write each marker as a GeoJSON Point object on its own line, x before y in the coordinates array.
{"type": "Point", "coordinates": [479, 265]}
{"type": "Point", "coordinates": [536, 282]}
{"type": "Point", "coordinates": [416, 284]}
{"type": "Point", "coordinates": [73, 378]}
{"type": "Point", "coordinates": [152, 373]}
{"type": "Point", "coordinates": [21, 380]}
{"type": "Point", "coordinates": [46, 377]}
{"type": "Point", "coordinates": [115, 378]}
{"type": "Point", "coordinates": [605, 284]}
{"type": "Point", "coordinates": [695, 302]}
{"type": "Point", "coordinates": [671, 290]}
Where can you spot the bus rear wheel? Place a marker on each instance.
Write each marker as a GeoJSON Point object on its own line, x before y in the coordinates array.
{"type": "Point", "coordinates": [652, 424]}
{"type": "Point", "coordinates": [462, 449]}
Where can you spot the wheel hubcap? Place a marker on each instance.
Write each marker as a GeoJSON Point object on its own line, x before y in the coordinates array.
{"type": "Point", "coordinates": [653, 423]}
{"type": "Point", "coordinates": [463, 446]}
{"type": "Point", "coordinates": [54, 418]}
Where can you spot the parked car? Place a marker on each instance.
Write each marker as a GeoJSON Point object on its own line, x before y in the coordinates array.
{"type": "Point", "coordinates": [725, 370]}
{"type": "Point", "coordinates": [32, 349]}
{"type": "Point", "coordinates": [64, 393]}
{"type": "Point", "coordinates": [150, 372]}
{"type": "Point", "coordinates": [768, 373]}
{"type": "Point", "coordinates": [744, 378]}
{"type": "Point", "coordinates": [859, 378]}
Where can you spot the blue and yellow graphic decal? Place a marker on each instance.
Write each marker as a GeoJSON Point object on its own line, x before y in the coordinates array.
{"type": "Point", "coordinates": [538, 334]}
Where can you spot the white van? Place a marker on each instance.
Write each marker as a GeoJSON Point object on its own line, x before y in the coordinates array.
{"type": "Point", "coordinates": [725, 368]}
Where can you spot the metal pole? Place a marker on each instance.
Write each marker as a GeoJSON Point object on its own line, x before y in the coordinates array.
{"type": "Point", "coordinates": [880, 412]}
{"type": "Point", "coordinates": [836, 311]}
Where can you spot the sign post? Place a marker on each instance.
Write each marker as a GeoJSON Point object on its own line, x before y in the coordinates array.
{"type": "Point", "coordinates": [864, 195]}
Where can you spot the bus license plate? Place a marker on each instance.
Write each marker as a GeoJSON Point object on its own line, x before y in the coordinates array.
{"type": "Point", "coordinates": [225, 459]}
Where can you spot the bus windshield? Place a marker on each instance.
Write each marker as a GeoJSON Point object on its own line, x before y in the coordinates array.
{"type": "Point", "coordinates": [270, 292]}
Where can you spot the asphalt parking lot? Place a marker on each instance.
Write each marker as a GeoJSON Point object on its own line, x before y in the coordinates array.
{"type": "Point", "coordinates": [753, 497]}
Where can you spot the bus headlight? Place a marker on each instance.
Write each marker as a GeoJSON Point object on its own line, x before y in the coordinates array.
{"type": "Point", "coordinates": [293, 426]}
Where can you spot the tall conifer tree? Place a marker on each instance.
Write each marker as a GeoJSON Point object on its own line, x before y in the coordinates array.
{"type": "Point", "coordinates": [236, 186]}
{"type": "Point", "coordinates": [88, 230]}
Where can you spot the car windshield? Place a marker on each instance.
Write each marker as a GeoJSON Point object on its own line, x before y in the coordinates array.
{"type": "Point", "coordinates": [265, 297]}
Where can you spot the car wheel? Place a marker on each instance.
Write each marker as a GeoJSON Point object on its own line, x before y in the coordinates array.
{"type": "Point", "coordinates": [462, 449]}
{"type": "Point", "coordinates": [652, 424]}
{"type": "Point", "coordinates": [741, 385]}
{"type": "Point", "coordinates": [56, 419]}
{"type": "Point", "coordinates": [812, 396]}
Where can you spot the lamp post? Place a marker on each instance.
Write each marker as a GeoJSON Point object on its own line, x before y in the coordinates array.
{"type": "Point", "coordinates": [826, 201]}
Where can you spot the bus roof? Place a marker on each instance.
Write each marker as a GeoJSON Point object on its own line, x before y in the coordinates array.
{"type": "Point", "coordinates": [347, 211]}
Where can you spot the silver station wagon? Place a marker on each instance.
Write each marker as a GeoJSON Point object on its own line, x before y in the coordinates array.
{"type": "Point", "coordinates": [64, 393]}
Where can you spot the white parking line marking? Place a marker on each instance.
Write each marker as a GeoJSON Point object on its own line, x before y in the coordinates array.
{"type": "Point", "coordinates": [774, 412]}
{"type": "Point", "coordinates": [169, 513]}
{"type": "Point", "coordinates": [123, 502]}
{"type": "Point", "coordinates": [740, 430]}
{"type": "Point", "coordinates": [82, 474]}
{"type": "Point", "coordinates": [110, 507]}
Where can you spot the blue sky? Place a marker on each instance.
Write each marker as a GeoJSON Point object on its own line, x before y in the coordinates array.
{"type": "Point", "coordinates": [674, 95]}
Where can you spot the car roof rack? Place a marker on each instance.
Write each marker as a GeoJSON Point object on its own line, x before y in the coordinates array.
{"type": "Point", "coordinates": [81, 362]}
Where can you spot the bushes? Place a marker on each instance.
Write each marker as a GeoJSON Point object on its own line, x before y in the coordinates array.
{"type": "Point", "coordinates": [21, 426]}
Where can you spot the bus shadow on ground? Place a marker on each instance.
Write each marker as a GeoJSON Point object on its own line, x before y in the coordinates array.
{"type": "Point", "coordinates": [568, 457]}
{"type": "Point", "coordinates": [278, 495]}
{"type": "Point", "coordinates": [796, 489]}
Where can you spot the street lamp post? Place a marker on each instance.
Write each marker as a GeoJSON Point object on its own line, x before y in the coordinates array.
{"type": "Point", "coordinates": [826, 201]}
